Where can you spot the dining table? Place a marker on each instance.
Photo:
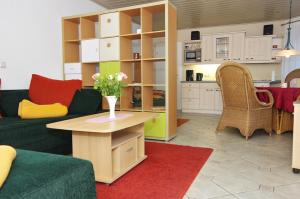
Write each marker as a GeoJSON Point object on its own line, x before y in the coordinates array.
{"type": "Point", "coordinates": [283, 107]}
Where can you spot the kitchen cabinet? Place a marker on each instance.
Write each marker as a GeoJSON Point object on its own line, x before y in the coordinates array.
{"type": "Point", "coordinates": [258, 49]}
{"type": "Point", "coordinates": [207, 49]}
{"type": "Point", "coordinates": [201, 98]}
{"type": "Point", "coordinates": [90, 51]}
{"type": "Point", "coordinates": [190, 96]}
{"type": "Point", "coordinates": [238, 47]}
{"type": "Point", "coordinates": [222, 47]}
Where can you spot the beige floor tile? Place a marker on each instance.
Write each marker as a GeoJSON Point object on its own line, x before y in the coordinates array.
{"type": "Point", "coordinates": [292, 191]}
{"type": "Point", "coordinates": [239, 166]}
{"type": "Point", "coordinates": [204, 188]}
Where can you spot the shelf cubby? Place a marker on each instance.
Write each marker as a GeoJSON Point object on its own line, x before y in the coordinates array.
{"type": "Point", "coordinates": [71, 29]}
{"type": "Point", "coordinates": [154, 99]}
{"type": "Point", "coordinates": [130, 21]}
{"type": "Point", "coordinates": [88, 70]}
{"type": "Point", "coordinates": [89, 27]}
{"type": "Point", "coordinates": [132, 70]}
{"type": "Point", "coordinates": [153, 73]}
{"type": "Point", "coordinates": [153, 48]}
{"type": "Point", "coordinates": [131, 99]}
{"type": "Point", "coordinates": [129, 46]}
{"type": "Point", "coordinates": [153, 18]}
{"type": "Point", "coordinates": [71, 52]}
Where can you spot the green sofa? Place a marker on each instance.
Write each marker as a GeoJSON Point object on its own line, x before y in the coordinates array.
{"type": "Point", "coordinates": [32, 134]}
{"type": "Point", "coordinates": [36, 175]}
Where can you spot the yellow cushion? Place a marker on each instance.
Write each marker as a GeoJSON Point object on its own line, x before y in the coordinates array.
{"type": "Point", "coordinates": [29, 110]}
{"type": "Point", "coordinates": [7, 155]}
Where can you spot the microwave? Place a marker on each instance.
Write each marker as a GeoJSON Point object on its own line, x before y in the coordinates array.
{"type": "Point", "coordinates": [192, 55]}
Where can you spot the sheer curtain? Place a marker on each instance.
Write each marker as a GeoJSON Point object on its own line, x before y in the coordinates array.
{"type": "Point", "coordinates": [292, 63]}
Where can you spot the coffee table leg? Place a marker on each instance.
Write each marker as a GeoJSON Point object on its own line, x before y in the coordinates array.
{"type": "Point", "coordinates": [95, 147]}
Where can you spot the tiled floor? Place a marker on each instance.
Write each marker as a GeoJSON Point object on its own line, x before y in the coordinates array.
{"type": "Point", "coordinates": [257, 168]}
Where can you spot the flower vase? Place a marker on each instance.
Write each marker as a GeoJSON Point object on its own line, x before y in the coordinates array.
{"type": "Point", "coordinates": [112, 100]}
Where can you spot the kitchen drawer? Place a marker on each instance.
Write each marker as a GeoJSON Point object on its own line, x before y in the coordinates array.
{"type": "Point", "coordinates": [190, 104]}
{"type": "Point", "coordinates": [128, 154]}
{"type": "Point", "coordinates": [110, 25]}
{"type": "Point", "coordinates": [72, 68]}
{"type": "Point", "coordinates": [73, 76]}
{"type": "Point", "coordinates": [110, 49]}
{"type": "Point", "coordinates": [156, 128]}
{"type": "Point", "coordinates": [190, 92]}
{"type": "Point", "coordinates": [190, 85]}
{"type": "Point", "coordinates": [90, 50]}
{"type": "Point", "coordinates": [209, 86]}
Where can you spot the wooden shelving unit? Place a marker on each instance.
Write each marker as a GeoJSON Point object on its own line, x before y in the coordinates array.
{"type": "Point", "coordinates": [149, 32]}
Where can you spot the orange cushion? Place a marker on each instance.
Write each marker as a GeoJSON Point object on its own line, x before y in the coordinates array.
{"type": "Point", "coordinates": [43, 90]}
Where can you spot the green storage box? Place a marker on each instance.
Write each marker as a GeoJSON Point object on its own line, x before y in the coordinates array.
{"type": "Point", "coordinates": [156, 128]}
{"type": "Point", "coordinates": [107, 68]}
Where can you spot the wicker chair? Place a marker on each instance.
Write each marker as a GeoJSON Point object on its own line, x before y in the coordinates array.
{"type": "Point", "coordinates": [241, 106]}
{"type": "Point", "coordinates": [292, 75]}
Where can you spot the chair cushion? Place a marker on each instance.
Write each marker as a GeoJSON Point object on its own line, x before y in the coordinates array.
{"type": "Point", "coordinates": [85, 101]}
{"type": "Point", "coordinates": [29, 110]}
{"type": "Point", "coordinates": [47, 176]}
{"type": "Point", "coordinates": [10, 100]}
{"type": "Point", "coordinates": [43, 90]}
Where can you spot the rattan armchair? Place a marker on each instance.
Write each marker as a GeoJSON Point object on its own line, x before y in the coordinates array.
{"type": "Point", "coordinates": [292, 75]}
{"type": "Point", "coordinates": [241, 106]}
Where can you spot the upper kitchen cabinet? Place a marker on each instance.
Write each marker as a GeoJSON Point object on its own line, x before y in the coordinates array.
{"type": "Point", "coordinates": [238, 47]}
{"type": "Point", "coordinates": [222, 47]}
{"type": "Point", "coordinates": [258, 49]}
{"type": "Point", "coordinates": [207, 49]}
{"type": "Point", "coordinates": [110, 25]}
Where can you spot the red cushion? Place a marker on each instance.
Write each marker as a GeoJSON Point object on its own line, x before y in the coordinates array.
{"type": "Point", "coordinates": [43, 90]}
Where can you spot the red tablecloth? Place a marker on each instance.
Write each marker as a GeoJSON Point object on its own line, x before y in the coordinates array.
{"type": "Point", "coordinates": [283, 97]}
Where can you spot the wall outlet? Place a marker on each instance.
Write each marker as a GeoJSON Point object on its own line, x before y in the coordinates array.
{"type": "Point", "coordinates": [3, 64]}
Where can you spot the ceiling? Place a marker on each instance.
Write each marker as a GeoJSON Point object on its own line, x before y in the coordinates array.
{"type": "Point", "coordinates": [202, 13]}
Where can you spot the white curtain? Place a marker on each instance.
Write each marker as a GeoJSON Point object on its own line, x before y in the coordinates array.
{"type": "Point", "coordinates": [292, 63]}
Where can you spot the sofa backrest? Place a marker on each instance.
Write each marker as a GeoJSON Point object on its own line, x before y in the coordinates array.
{"type": "Point", "coordinates": [85, 101]}
{"type": "Point", "coordinates": [9, 101]}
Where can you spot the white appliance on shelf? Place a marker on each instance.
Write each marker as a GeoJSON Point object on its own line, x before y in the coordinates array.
{"type": "Point", "coordinates": [192, 52]}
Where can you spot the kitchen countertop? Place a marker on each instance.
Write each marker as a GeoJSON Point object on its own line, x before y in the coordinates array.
{"type": "Point", "coordinates": [254, 81]}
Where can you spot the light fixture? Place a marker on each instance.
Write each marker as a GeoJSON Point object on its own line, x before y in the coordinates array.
{"type": "Point", "coordinates": [289, 49]}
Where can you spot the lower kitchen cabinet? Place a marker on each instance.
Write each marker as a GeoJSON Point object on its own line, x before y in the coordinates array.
{"type": "Point", "coordinates": [201, 98]}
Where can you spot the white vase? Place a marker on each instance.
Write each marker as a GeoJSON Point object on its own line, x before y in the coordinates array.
{"type": "Point", "coordinates": [112, 100]}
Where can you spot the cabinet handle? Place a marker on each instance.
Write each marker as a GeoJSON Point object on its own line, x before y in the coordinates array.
{"type": "Point", "coordinates": [252, 58]}
{"type": "Point", "coordinates": [108, 45]}
{"type": "Point", "coordinates": [108, 20]}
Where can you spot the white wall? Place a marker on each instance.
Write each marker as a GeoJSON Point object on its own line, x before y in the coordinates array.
{"type": "Point", "coordinates": [258, 71]}
{"type": "Point", "coordinates": [30, 38]}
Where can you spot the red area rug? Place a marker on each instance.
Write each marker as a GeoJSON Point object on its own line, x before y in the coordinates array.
{"type": "Point", "coordinates": [181, 121]}
{"type": "Point", "coordinates": [167, 173]}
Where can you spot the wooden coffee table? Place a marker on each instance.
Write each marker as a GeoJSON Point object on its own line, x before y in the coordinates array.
{"type": "Point", "coordinates": [113, 146]}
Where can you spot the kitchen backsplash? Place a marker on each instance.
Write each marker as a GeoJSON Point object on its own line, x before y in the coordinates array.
{"type": "Point", "coordinates": [258, 71]}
